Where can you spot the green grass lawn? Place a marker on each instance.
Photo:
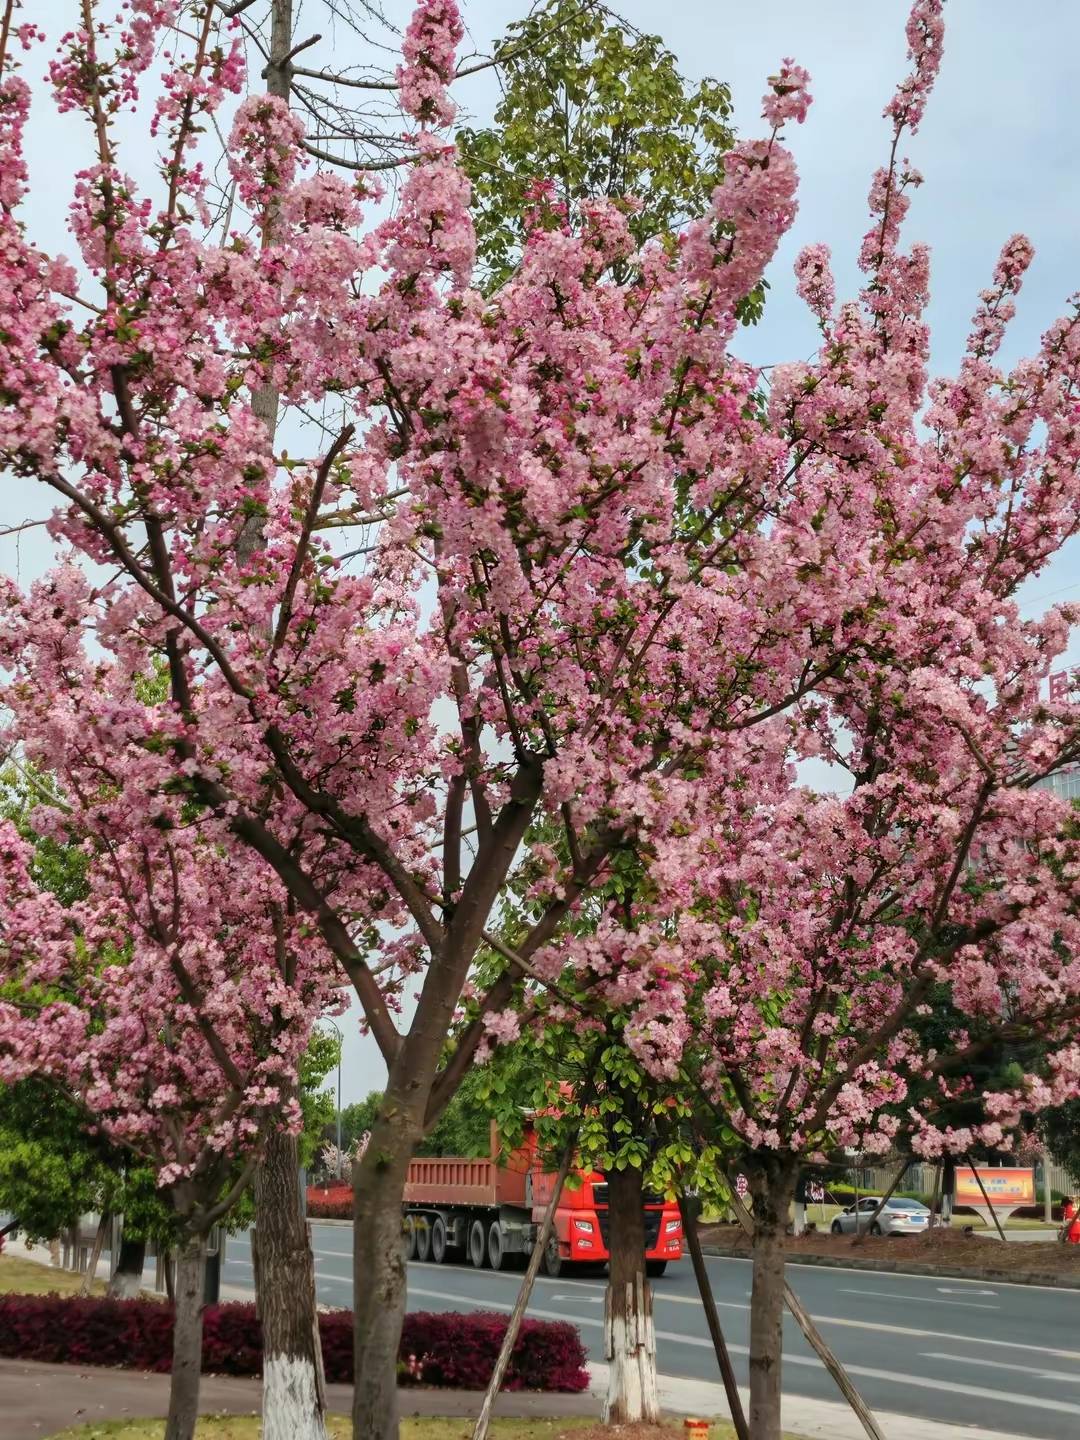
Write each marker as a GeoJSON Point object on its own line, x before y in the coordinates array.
{"type": "Point", "coordinates": [246, 1427]}
{"type": "Point", "coordinates": [27, 1277]}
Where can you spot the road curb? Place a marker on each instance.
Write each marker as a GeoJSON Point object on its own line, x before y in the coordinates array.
{"type": "Point", "coordinates": [895, 1267]}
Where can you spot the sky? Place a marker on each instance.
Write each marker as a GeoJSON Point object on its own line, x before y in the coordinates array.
{"type": "Point", "coordinates": [998, 149]}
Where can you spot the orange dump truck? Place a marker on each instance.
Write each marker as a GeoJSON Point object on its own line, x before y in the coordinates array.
{"type": "Point", "coordinates": [488, 1212]}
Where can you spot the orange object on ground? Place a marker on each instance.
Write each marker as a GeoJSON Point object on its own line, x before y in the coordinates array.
{"type": "Point", "coordinates": [696, 1429]}
{"type": "Point", "coordinates": [1073, 1235]}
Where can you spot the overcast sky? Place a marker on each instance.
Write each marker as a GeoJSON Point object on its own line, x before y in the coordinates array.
{"type": "Point", "coordinates": [998, 150]}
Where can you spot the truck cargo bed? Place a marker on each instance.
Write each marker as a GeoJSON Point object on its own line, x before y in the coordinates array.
{"type": "Point", "coordinates": [455, 1180]}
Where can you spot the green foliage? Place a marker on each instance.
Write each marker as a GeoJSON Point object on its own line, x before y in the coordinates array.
{"type": "Point", "coordinates": [53, 1168]}
{"type": "Point", "coordinates": [359, 1118]}
{"type": "Point", "coordinates": [59, 868]}
{"type": "Point", "coordinates": [600, 110]}
{"type": "Point", "coordinates": [464, 1128]}
{"type": "Point", "coordinates": [320, 1060]}
{"type": "Point", "coordinates": [1060, 1129]}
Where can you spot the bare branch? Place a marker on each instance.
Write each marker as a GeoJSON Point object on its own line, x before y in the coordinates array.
{"type": "Point", "coordinates": [346, 164]}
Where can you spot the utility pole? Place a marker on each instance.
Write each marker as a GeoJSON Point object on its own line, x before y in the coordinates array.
{"type": "Point", "coordinates": [341, 1046]}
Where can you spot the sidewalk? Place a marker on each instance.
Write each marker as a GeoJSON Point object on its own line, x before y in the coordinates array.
{"type": "Point", "coordinates": [40, 1400]}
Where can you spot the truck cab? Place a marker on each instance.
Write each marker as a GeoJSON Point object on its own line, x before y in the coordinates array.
{"type": "Point", "coordinates": [581, 1232]}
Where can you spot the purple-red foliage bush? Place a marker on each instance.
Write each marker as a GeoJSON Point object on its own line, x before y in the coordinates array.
{"type": "Point", "coordinates": [330, 1209]}
{"type": "Point", "coordinates": [451, 1350]}
{"type": "Point", "coordinates": [459, 1352]}
{"type": "Point", "coordinates": [330, 1202]}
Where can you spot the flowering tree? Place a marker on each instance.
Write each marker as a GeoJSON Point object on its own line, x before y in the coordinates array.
{"type": "Point", "coordinates": [773, 969]}
{"type": "Point", "coordinates": [600, 565]}
{"type": "Point", "coordinates": [166, 1015]}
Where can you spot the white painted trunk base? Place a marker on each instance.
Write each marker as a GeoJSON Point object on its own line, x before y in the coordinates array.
{"type": "Point", "coordinates": [632, 1392]}
{"type": "Point", "coordinates": [291, 1400]}
{"type": "Point", "coordinates": [126, 1286]}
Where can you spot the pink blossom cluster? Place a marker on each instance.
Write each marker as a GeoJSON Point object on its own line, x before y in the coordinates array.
{"type": "Point", "coordinates": [925, 36]}
{"type": "Point", "coordinates": [604, 576]}
{"type": "Point", "coordinates": [789, 97]}
{"type": "Point", "coordinates": [264, 150]}
{"type": "Point", "coordinates": [429, 52]}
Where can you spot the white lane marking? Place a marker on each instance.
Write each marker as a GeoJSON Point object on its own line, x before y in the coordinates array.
{"type": "Point", "coordinates": [588, 1299]}
{"type": "Point", "coordinates": [1069, 1377]}
{"type": "Point", "coordinates": [659, 1295]}
{"type": "Point", "coordinates": [950, 1290]}
{"type": "Point", "coordinates": [922, 1382]}
{"type": "Point", "coordinates": [921, 1299]}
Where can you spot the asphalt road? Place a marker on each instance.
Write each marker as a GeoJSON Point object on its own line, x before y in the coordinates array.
{"type": "Point", "coordinates": [1006, 1357]}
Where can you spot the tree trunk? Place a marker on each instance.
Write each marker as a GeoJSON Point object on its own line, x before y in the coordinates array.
{"type": "Point", "coordinates": [628, 1321]}
{"type": "Point", "coordinates": [1048, 1196]}
{"type": "Point", "coordinates": [948, 1190]}
{"type": "Point", "coordinates": [814, 1336]}
{"type": "Point", "coordinates": [773, 1190]}
{"type": "Point", "coordinates": [689, 1211]}
{"type": "Point", "coordinates": [126, 1281]}
{"type": "Point", "coordinates": [187, 1339]}
{"type": "Point", "coordinates": [293, 1401]}
{"type": "Point", "coordinates": [104, 1221]}
{"type": "Point", "coordinates": [379, 1271]}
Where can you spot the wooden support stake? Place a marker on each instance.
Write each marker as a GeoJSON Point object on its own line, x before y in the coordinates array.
{"type": "Point", "coordinates": [95, 1253]}
{"type": "Point", "coordinates": [816, 1339]}
{"type": "Point", "coordinates": [982, 1190]}
{"type": "Point", "coordinates": [513, 1325]}
{"type": "Point", "coordinates": [712, 1317]}
{"type": "Point", "coordinates": [883, 1201]}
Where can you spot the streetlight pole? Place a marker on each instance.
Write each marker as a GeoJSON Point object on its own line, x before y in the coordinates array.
{"type": "Point", "coordinates": [341, 1046]}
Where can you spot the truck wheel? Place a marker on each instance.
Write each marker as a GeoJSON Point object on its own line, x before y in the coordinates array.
{"type": "Point", "coordinates": [410, 1237]}
{"type": "Point", "coordinates": [478, 1250]}
{"type": "Point", "coordinates": [439, 1244]}
{"type": "Point", "coordinates": [655, 1268]}
{"type": "Point", "coordinates": [496, 1248]}
{"type": "Point", "coordinates": [553, 1261]}
{"type": "Point", "coordinates": [423, 1238]}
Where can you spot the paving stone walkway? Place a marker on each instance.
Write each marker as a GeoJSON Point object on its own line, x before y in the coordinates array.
{"type": "Point", "coordinates": [38, 1400]}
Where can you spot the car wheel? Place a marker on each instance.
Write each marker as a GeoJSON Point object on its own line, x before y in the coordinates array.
{"type": "Point", "coordinates": [553, 1261]}
{"type": "Point", "coordinates": [655, 1268]}
{"type": "Point", "coordinates": [875, 1229]}
{"type": "Point", "coordinates": [439, 1244]}
{"type": "Point", "coordinates": [837, 1228]}
{"type": "Point", "coordinates": [410, 1237]}
{"type": "Point", "coordinates": [423, 1238]}
{"type": "Point", "coordinates": [478, 1250]}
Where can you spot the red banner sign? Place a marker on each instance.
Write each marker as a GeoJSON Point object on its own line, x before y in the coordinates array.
{"type": "Point", "coordinates": [1007, 1188]}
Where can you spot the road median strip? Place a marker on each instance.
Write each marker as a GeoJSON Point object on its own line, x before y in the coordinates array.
{"type": "Point", "coordinates": [914, 1267]}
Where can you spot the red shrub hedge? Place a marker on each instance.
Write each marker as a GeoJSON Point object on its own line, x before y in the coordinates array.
{"type": "Point", "coordinates": [330, 1209]}
{"type": "Point", "coordinates": [452, 1350]}
{"type": "Point", "coordinates": [330, 1202]}
{"type": "Point", "coordinates": [459, 1352]}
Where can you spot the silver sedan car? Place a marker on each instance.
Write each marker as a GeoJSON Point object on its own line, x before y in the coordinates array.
{"type": "Point", "coordinates": [898, 1217]}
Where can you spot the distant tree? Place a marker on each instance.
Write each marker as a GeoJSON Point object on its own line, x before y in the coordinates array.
{"type": "Point", "coordinates": [595, 109]}
{"type": "Point", "coordinates": [1059, 1127]}
{"type": "Point", "coordinates": [463, 1129]}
